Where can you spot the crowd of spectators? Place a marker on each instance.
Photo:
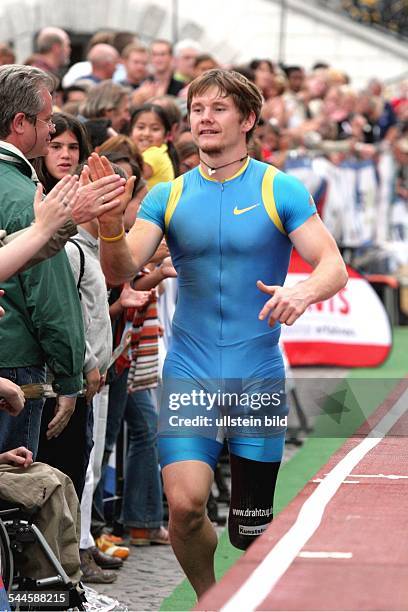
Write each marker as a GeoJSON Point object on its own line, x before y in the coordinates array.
{"type": "Point", "coordinates": [388, 15]}
{"type": "Point", "coordinates": [127, 102]}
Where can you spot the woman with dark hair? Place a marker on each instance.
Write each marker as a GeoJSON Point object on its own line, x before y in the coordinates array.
{"type": "Point", "coordinates": [264, 76]}
{"type": "Point", "coordinates": [150, 129]}
{"type": "Point", "coordinates": [69, 147]}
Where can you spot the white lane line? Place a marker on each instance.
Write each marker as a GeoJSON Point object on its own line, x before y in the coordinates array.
{"type": "Point", "coordinates": [310, 554]}
{"type": "Point", "coordinates": [262, 580]}
{"type": "Point", "coordinates": [344, 481]}
{"type": "Point", "coordinates": [389, 476]}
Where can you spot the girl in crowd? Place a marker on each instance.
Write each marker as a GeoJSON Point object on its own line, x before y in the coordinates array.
{"type": "Point", "coordinates": [150, 130]}
{"type": "Point", "coordinates": [69, 147]}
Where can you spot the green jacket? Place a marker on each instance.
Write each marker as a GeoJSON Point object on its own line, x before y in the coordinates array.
{"type": "Point", "coordinates": [43, 321]}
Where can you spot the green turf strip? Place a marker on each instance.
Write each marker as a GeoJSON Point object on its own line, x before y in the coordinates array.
{"type": "Point", "coordinates": [363, 391]}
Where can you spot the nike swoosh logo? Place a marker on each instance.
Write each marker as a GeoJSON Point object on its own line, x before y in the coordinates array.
{"type": "Point", "coordinates": [240, 211]}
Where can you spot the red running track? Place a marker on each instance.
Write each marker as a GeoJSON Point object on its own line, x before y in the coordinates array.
{"type": "Point", "coordinates": [365, 524]}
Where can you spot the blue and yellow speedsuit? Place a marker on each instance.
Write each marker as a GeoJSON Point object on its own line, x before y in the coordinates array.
{"type": "Point", "coordinates": [223, 237]}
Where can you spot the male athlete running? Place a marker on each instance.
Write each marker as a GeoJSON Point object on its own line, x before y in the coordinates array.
{"type": "Point", "coordinates": [230, 225]}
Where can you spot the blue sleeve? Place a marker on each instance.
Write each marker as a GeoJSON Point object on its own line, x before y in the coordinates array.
{"type": "Point", "coordinates": [153, 207]}
{"type": "Point", "coordinates": [293, 201]}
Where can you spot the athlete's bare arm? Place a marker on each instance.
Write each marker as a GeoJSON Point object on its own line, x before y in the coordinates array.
{"type": "Point", "coordinates": [317, 246]}
{"type": "Point", "coordinates": [121, 260]}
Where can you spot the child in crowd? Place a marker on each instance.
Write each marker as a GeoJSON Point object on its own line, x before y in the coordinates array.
{"type": "Point", "coordinates": [150, 130]}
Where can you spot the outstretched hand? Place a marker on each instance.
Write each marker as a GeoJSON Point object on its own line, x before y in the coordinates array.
{"type": "Point", "coordinates": [100, 167]}
{"type": "Point", "coordinates": [286, 304]}
{"type": "Point", "coordinates": [55, 209]}
{"type": "Point", "coordinates": [132, 298]}
{"type": "Point", "coordinates": [97, 196]}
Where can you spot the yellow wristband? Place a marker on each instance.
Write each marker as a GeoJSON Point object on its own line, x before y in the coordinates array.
{"type": "Point", "coordinates": [113, 238]}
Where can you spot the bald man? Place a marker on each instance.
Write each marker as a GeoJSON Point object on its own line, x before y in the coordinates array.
{"type": "Point", "coordinates": [103, 59]}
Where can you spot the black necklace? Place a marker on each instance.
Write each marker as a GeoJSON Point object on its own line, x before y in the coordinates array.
{"type": "Point", "coordinates": [211, 170]}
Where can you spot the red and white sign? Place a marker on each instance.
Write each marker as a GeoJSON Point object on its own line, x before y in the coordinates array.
{"type": "Point", "coordinates": [351, 329]}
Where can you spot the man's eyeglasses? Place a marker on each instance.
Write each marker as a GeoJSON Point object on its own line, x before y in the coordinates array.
{"type": "Point", "coordinates": [48, 123]}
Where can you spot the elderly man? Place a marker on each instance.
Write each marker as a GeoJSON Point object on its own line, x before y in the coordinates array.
{"type": "Point", "coordinates": [43, 321]}
{"type": "Point", "coordinates": [53, 50]}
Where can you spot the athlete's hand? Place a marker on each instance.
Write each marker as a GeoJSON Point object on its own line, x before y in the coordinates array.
{"type": "Point", "coordinates": [286, 304]}
{"type": "Point", "coordinates": [100, 168]}
{"type": "Point", "coordinates": [97, 197]}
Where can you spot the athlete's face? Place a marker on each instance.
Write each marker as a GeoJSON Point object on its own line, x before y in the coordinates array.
{"type": "Point", "coordinates": [63, 155]}
{"type": "Point", "coordinates": [216, 124]}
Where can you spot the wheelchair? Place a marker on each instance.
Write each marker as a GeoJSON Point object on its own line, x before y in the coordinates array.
{"type": "Point", "coordinates": [17, 530]}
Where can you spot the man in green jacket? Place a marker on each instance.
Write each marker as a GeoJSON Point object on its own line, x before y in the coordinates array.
{"type": "Point", "coordinates": [43, 320]}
